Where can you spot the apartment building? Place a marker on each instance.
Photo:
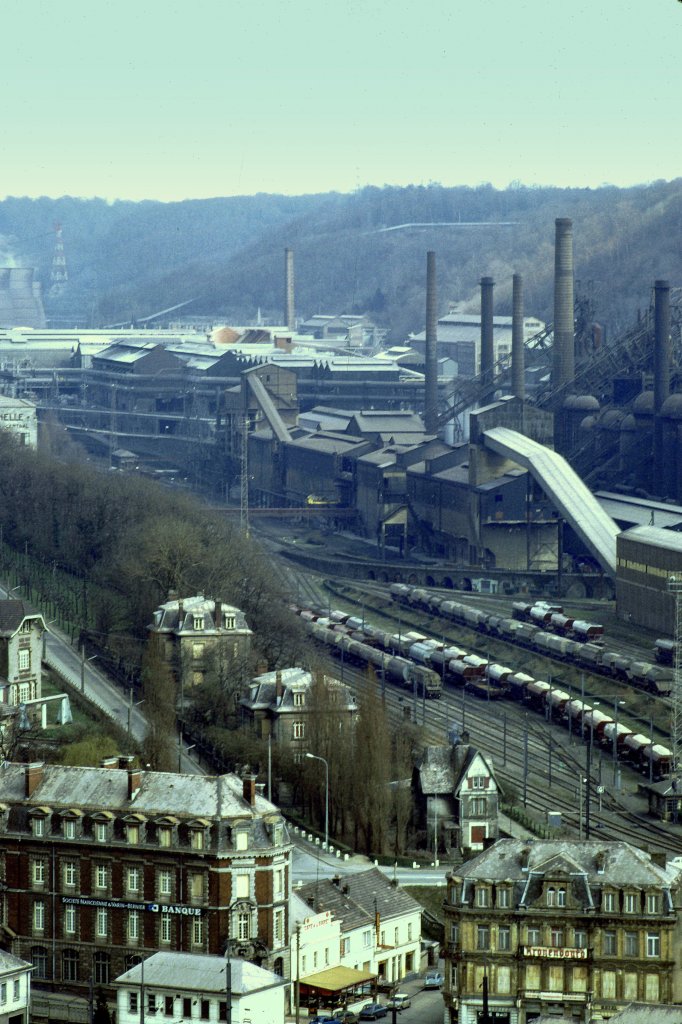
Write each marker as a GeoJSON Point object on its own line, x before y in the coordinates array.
{"type": "Point", "coordinates": [101, 866]}
{"type": "Point", "coordinates": [571, 929]}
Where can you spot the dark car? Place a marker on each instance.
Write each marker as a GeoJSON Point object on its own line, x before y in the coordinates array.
{"type": "Point", "coordinates": [372, 1011]}
{"type": "Point", "coordinates": [345, 1017]}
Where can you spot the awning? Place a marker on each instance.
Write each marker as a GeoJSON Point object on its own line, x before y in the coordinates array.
{"type": "Point", "coordinates": [337, 978]}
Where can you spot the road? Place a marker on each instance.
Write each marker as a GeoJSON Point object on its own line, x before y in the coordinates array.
{"type": "Point", "coordinates": [81, 674]}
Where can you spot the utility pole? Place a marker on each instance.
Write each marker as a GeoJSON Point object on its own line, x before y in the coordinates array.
{"type": "Point", "coordinates": [675, 588]}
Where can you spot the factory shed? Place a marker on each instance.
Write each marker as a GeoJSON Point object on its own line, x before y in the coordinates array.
{"type": "Point", "coordinates": [647, 556]}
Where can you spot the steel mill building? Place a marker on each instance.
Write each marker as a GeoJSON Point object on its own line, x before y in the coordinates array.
{"type": "Point", "coordinates": [102, 866]}
{"type": "Point", "coordinates": [570, 929]}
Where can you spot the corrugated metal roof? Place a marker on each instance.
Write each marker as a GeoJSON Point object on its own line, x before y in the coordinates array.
{"type": "Point", "coordinates": [667, 540]}
{"type": "Point", "coordinates": [638, 511]}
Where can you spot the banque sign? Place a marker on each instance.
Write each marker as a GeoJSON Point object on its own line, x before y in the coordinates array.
{"type": "Point", "coordinates": [153, 908]}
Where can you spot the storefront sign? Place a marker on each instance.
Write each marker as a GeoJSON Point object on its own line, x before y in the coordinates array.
{"type": "Point", "coordinates": [154, 908]}
{"type": "Point", "coordinates": [555, 952]}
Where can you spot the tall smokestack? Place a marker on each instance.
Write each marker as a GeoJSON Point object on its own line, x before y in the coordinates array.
{"type": "Point", "coordinates": [563, 370]}
{"type": "Point", "coordinates": [661, 343]}
{"type": "Point", "coordinates": [289, 289]}
{"type": "Point", "coordinates": [661, 382]}
{"type": "Point", "coordinates": [431, 353]}
{"type": "Point", "coordinates": [487, 351]}
{"type": "Point", "coordinates": [518, 354]}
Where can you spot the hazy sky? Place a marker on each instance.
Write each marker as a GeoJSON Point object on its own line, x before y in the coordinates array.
{"type": "Point", "coordinates": [168, 100]}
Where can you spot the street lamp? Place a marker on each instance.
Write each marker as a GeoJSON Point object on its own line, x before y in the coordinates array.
{"type": "Point", "coordinates": [315, 757]}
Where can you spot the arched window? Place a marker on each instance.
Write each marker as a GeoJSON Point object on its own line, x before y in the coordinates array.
{"type": "Point", "coordinates": [70, 965]}
{"type": "Point", "coordinates": [39, 961]}
{"type": "Point", "coordinates": [101, 963]}
{"type": "Point", "coordinates": [551, 897]}
{"type": "Point", "coordinates": [278, 966]}
{"type": "Point", "coordinates": [561, 898]}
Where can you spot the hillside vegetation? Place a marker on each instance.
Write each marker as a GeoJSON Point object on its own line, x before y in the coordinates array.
{"type": "Point", "coordinates": [132, 259]}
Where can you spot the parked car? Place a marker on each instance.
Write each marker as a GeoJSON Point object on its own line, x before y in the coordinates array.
{"type": "Point", "coordinates": [372, 1011]}
{"type": "Point", "coordinates": [323, 1018]}
{"type": "Point", "coordinates": [345, 1017]}
{"type": "Point", "coordinates": [433, 979]}
{"type": "Point", "coordinates": [400, 1001]}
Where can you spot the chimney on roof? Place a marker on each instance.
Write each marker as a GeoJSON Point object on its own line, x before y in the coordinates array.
{"type": "Point", "coordinates": [600, 861]}
{"type": "Point", "coordinates": [172, 595]}
{"type": "Point", "coordinates": [525, 858]}
{"type": "Point", "coordinates": [125, 761]}
{"type": "Point", "coordinates": [181, 612]}
{"type": "Point", "coordinates": [109, 762]}
{"type": "Point", "coordinates": [249, 787]}
{"type": "Point", "coordinates": [279, 686]}
{"type": "Point", "coordinates": [659, 857]}
{"type": "Point", "coordinates": [33, 776]}
{"type": "Point", "coordinates": [134, 781]}
{"type": "Point", "coordinates": [336, 880]}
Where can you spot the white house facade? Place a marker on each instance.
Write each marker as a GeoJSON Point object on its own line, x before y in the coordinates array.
{"type": "Point", "coordinates": [187, 987]}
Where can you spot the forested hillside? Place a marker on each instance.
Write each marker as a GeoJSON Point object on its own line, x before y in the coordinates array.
{"type": "Point", "coordinates": [131, 259]}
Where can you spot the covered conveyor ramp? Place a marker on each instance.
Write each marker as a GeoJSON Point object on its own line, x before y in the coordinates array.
{"type": "Point", "coordinates": [575, 501]}
{"type": "Point", "coordinates": [267, 406]}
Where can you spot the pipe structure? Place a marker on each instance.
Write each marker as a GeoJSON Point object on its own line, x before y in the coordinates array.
{"type": "Point", "coordinates": [431, 348]}
{"type": "Point", "coordinates": [518, 354]}
{"type": "Point", "coordinates": [661, 343]}
{"type": "Point", "coordinates": [487, 349]}
{"type": "Point", "coordinates": [290, 315]}
{"type": "Point", "coordinates": [563, 369]}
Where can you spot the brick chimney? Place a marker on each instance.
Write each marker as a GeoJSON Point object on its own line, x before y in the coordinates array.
{"type": "Point", "coordinates": [279, 687]}
{"type": "Point", "coordinates": [33, 775]}
{"type": "Point", "coordinates": [525, 857]}
{"type": "Point", "coordinates": [249, 788]}
{"type": "Point", "coordinates": [134, 781]}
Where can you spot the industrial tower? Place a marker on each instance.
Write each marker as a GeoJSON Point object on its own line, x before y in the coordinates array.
{"type": "Point", "coordinates": [58, 274]}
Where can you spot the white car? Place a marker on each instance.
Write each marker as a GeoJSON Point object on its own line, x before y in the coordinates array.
{"type": "Point", "coordinates": [399, 1001]}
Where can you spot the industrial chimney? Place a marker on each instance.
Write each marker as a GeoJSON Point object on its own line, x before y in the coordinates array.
{"type": "Point", "coordinates": [518, 354]}
{"type": "Point", "coordinates": [431, 348]}
{"type": "Point", "coordinates": [661, 381]}
{"type": "Point", "coordinates": [661, 343]}
{"type": "Point", "coordinates": [487, 351]}
{"type": "Point", "coordinates": [290, 315]}
{"type": "Point", "coordinates": [563, 370]}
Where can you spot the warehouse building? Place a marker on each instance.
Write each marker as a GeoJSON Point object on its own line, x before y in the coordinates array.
{"type": "Point", "coordinates": [647, 557]}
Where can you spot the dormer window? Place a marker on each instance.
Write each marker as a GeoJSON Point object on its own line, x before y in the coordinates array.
{"type": "Point", "coordinates": [551, 897]}
{"type": "Point", "coordinates": [609, 902]}
{"type": "Point", "coordinates": [229, 621]}
{"type": "Point", "coordinates": [165, 836]}
{"type": "Point", "coordinates": [196, 838]}
{"type": "Point", "coordinates": [561, 897]}
{"type": "Point", "coordinates": [38, 827]}
{"type": "Point", "coordinates": [241, 839]}
{"type": "Point", "coordinates": [133, 834]}
{"type": "Point", "coordinates": [197, 621]}
{"type": "Point", "coordinates": [482, 897]}
{"type": "Point", "coordinates": [299, 698]}
{"type": "Point", "coordinates": [69, 828]}
{"type": "Point", "coordinates": [653, 903]}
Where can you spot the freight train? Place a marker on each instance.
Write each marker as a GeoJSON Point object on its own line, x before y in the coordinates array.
{"type": "Point", "coordinates": [546, 629]}
{"type": "Point", "coordinates": [416, 661]}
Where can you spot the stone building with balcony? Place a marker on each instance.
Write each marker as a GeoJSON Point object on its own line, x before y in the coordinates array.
{"type": "Point", "coordinates": [572, 929]}
{"type": "Point", "coordinates": [199, 636]}
{"type": "Point", "coordinates": [101, 866]}
{"type": "Point", "coordinates": [290, 704]}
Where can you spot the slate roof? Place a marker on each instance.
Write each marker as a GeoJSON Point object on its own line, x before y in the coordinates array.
{"type": "Point", "coordinates": [9, 963]}
{"type": "Point", "coordinates": [197, 972]}
{"type": "Point", "coordinates": [352, 900]}
{"type": "Point", "coordinates": [167, 616]}
{"type": "Point", "coordinates": [623, 864]}
{"type": "Point", "coordinates": [443, 768]}
{"type": "Point", "coordinates": [100, 789]}
{"type": "Point", "coordinates": [263, 690]}
{"type": "Point", "coordinates": [13, 613]}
